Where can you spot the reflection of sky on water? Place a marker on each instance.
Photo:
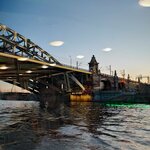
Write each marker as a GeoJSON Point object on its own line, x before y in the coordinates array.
{"type": "Point", "coordinates": [11, 110]}
{"type": "Point", "coordinates": [17, 104]}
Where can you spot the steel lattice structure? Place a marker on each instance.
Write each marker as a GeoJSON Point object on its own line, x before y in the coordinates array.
{"type": "Point", "coordinates": [14, 43]}
{"type": "Point", "coordinates": [27, 65]}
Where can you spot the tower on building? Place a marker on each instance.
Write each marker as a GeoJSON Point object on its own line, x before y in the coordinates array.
{"type": "Point", "coordinates": [93, 65]}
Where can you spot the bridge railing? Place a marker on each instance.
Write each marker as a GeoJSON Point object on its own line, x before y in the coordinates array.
{"type": "Point", "coordinates": [73, 67]}
{"type": "Point", "coordinates": [119, 78]}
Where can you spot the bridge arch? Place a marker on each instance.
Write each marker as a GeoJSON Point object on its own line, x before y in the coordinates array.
{"type": "Point", "coordinates": [107, 85]}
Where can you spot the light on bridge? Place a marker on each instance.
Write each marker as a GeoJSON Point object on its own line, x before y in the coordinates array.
{"type": "Point", "coordinates": [22, 59]}
{"type": "Point", "coordinates": [44, 66]}
{"type": "Point", "coordinates": [52, 64]}
{"type": "Point", "coordinates": [31, 80]}
{"type": "Point", "coordinates": [28, 71]}
{"type": "Point", "coordinates": [3, 67]}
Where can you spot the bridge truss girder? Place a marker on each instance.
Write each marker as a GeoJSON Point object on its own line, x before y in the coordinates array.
{"type": "Point", "coordinates": [24, 61]}
{"type": "Point", "coordinates": [14, 43]}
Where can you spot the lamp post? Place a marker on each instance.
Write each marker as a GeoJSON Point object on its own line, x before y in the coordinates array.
{"type": "Point", "coordinates": [70, 60]}
{"type": "Point", "coordinates": [109, 68]}
{"type": "Point", "coordinates": [77, 62]}
{"type": "Point", "coordinates": [123, 73]}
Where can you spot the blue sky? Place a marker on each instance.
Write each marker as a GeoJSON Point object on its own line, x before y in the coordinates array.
{"type": "Point", "coordinates": [86, 27]}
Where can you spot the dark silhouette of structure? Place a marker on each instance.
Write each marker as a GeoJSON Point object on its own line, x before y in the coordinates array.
{"type": "Point", "coordinates": [93, 65]}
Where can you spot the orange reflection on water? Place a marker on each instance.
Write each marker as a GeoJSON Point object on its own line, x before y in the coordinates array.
{"type": "Point", "coordinates": [82, 97]}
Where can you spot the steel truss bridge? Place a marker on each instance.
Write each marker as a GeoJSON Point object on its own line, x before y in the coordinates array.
{"type": "Point", "coordinates": [27, 65]}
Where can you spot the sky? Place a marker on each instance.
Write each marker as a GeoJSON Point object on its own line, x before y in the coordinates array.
{"type": "Point", "coordinates": [7, 87]}
{"type": "Point", "coordinates": [86, 27]}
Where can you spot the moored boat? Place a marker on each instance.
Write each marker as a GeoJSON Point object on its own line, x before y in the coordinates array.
{"type": "Point", "coordinates": [113, 96]}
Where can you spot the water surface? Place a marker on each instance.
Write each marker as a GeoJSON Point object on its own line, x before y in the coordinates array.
{"type": "Point", "coordinates": [78, 126]}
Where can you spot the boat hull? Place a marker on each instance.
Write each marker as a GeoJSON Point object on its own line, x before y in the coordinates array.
{"type": "Point", "coordinates": [118, 97]}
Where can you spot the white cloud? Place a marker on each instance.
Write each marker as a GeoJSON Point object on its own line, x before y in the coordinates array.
{"type": "Point", "coordinates": [144, 3]}
{"type": "Point", "coordinates": [107, 49]}
{"type": "Point", "coordinates": [56, 43]}
{"type": "Point", "coordinates": [80, 56]}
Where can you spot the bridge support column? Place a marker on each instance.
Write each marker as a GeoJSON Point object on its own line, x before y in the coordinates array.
{"type": "Point", "coordinates": [67, 82]}
{"type": "Point", "coordinates": [24, 84]}
{"type": "Point", "coordinates": [17, 70]}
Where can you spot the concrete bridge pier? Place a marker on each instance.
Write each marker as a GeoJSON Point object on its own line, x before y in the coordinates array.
{"type": "Point", "coordinates": [57, 89]}
{"type": "Point", "coordinates": [52, 97]}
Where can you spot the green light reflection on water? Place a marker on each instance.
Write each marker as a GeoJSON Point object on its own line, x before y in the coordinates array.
{"type": "Point", "coordinates": [129, 105]}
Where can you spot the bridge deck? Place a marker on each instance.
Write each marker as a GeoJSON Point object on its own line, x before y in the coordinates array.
{"type": "Point", "coordinates": [12, 67]}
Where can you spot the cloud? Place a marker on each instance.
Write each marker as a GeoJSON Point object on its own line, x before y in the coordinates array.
{"type": "Point", "coordinates": [80, 56]}
{"type": "Point", "coordinates": [144, 3]}
{"type": "Point", "coordinates": [107, 49]}
{"type": "Point", "coordinates": [56, 43]}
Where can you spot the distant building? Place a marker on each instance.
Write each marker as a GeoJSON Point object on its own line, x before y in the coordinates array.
{"type": "Point", "coordinates": [93, 65]}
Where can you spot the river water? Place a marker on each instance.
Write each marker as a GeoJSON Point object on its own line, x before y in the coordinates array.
{"type": "Point", "coordinates": [74, 126]}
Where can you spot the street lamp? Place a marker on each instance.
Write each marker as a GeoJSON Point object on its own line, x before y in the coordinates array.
{"type": "Point", "coordinates": [70, 60]}
{"type": "Point", "coordinates": [123, 73]}
{"type": "Point", "coordinates": [79, 57]}
{"type": "Point", "coordinates": [109, 68]}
